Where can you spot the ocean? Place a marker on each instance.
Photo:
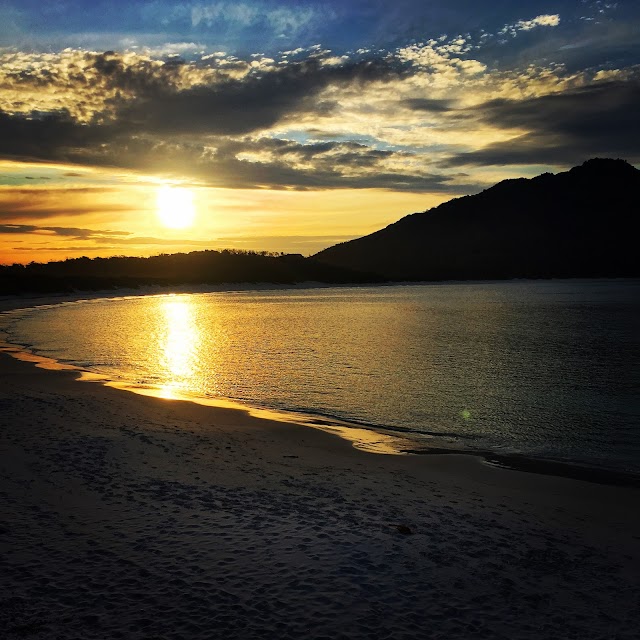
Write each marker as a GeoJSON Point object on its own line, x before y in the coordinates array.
{"type": "Point", "coordinates": [545, 369]}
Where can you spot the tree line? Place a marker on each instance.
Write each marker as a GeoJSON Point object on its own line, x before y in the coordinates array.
{"type": "Point", "coordinates": [195, 268]}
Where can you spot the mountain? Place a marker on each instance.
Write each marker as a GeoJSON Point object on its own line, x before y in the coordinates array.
{"type": "Point", "coordinates": [579, 223]}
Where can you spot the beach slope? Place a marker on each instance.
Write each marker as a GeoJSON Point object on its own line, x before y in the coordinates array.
{"type": "Point", "coordinates": [126, 516]}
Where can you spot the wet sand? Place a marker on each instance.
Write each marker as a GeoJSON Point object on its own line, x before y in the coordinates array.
{"type": "Point", "coordinates": [126, 516]}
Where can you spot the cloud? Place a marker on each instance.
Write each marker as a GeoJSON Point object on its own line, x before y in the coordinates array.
{"type": "Point", "coordinates": [113, 238]}
{"type": "Point", "coordinates": [70, 232]}
{"type": "Point", "coordinates": [446, 59]}
{"type": "Point", "coordinates": [217, 95]}
{"type": "Point", "coordinates": [48, 136]}
{"type": "Point", "coordinates": [306, 119]}
{"type": "Point", "coordinates": [164, 117]}
{"type": "Point", "coordinates": [432, 105]}
{"type": "Point", "coordinates": [276, 163]}
{"type": "Point", "coordinates": [237, 106]}
{"type": "Point", "coordinates": [36, 203]}
{"type": "Point", "coordinates": [601, 119]}
{"type": "Point", "coordinates": [545, 20]}
{"type": "Point", "coordinates": [90, 85]}
{"type": "Point", "coordinates": [245, 162]}
{"type": "Point", "coordinates": [240, 163]}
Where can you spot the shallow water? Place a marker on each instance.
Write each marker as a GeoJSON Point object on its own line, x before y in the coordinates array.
{"type": "Point", "coordinates": [544, 368]}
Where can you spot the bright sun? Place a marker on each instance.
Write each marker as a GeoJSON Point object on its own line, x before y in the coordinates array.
{"type": "Point", "coordinates": [175, 207]}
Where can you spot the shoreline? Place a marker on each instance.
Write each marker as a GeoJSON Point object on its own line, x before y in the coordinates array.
{"type": "Point", "coordinates": [8, 302]}
{"type": "Point", "coordinates": [370, 438]}
{"type": "Point", "coordinates": [546, 466]}
{"type": "Point", "coordinates": [138, 517]}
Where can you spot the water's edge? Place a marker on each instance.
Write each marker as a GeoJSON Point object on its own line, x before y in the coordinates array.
{"type": "Point", "coordinates": [369, 438]}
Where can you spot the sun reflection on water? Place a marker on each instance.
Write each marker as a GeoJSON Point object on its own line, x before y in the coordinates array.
{"type": "Point", "coordinates": [179, 343]}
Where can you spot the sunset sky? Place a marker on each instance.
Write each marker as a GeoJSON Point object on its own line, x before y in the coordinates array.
{"type": "Point", "coordinates": [137, 128]}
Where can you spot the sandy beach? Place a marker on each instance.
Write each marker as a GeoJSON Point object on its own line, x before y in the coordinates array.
{"type": "Point", "coordinates": [126, 516]}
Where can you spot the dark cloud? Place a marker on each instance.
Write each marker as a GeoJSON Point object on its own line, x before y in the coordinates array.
{"type": "Point", "coordinates": [279, 176]}
{"type": "Point", "coordinates": [427, 104]}
{"type": "Point", "coordinates": [209, 131]}
{"type": "Point", "coordinates": [57, 137]}
{"type": "Point", "coordinates": [319, 165]}
{"type": "Point", "coordinates": [72, 232]}
{"type": "Point", "coordinates": [49, 136]}
{"type": "Point", "coordinates": [18, 228]}
{"type": "Point", "coordinates": [152, 125]}
{"type": "Point", "coordinates": [139, 96]}
{"type": "Point", "coordinates": [19, 204]}
{"type": "Point", "coordinates": [239, 106]}
{"type": "Point", "coordinates": [329, 164]}
{"type": "Point", "coordinates": [334, 153]}
{"type": "Point", "coordinates": [33, 191]}
{"type": "Point", "coordinates": [564, 128]}
{"type": "Point", "coordinates": [113, 238]}
{"type": "Point", "coordinates": [63, 249]}
{"type": "Point", "coordinates": [227, 97]}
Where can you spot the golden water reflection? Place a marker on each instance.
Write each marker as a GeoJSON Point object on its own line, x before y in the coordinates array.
{"type": "Point", "coordinates": [179, 342]}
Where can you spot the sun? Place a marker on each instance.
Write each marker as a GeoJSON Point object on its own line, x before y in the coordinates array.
{"type": "Point", "coordinates": [175, 207]}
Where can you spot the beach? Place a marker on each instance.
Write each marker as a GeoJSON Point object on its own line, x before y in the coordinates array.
{"type": "Point", "coordinates": [126, 516]}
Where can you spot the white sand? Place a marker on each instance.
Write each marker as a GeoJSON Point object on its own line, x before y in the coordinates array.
{"type": "Point", "coordinates": [131, 517]}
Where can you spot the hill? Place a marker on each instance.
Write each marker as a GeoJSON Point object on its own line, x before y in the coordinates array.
{"type": "Point", "coordinates": [579, 223]}
{"type": "Point", "coordinates": [197, 267]}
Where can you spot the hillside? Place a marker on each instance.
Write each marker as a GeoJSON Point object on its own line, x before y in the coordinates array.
{"type": "Point", "coordinates": [579, 223]}
{"type": "Point", "coordinates": [195, 268]}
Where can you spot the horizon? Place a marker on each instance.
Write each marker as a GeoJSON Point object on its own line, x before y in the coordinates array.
{"type": "Point", "coordinates": [136, 129]}
{"type": "Point", "coordinates": [264, 252]}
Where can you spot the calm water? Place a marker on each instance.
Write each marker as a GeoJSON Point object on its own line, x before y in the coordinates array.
{"type": "Point", "coordinates": [542, 368]}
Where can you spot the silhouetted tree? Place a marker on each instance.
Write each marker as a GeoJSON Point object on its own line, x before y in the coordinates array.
{"type": "Point", "coordinates": [198, 267]}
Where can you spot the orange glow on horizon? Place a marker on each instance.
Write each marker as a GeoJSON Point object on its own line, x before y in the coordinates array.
{"type": "Point", "coordinates": [62, 213]}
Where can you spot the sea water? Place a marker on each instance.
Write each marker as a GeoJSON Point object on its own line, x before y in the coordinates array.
{"type": "Point", "coordinates": [542, 368]}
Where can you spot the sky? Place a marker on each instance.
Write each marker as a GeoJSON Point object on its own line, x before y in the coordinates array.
{"type": "Point", "coordinates": [138, 128]}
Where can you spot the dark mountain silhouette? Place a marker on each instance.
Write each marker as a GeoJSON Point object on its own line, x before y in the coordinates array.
{"type": "Point", "coordinates": [198, 267]}
{"type": "Point", "coordinates": [580, 223]}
